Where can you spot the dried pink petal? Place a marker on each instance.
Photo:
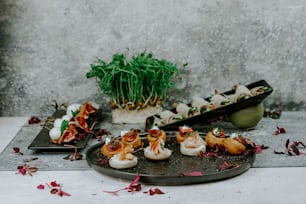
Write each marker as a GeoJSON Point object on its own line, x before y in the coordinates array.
{"type": "Point", "coordinates": [154, 191]}
{"type": "Point", "coordinates": [259, 148]}
{"type": "Point", "coordinates": [210, 154]}
{"type": "Point", "coordinates": [22, 171]}
{"type": "Point", "coordinates": [279, 130]}
{"type": "Point", "coordinates": [282, 130]}
{"type": "Point", "coordinates": [292, 149]}
{"type": "Point", "coordinates": [17, 150]}
{"type": "Point", "coordinates": [54, 184]}
{"type": "Point", "coordinates": [158, 191]}
{"type": "Point", "coordinates": [193, 173]}
{"type": "Point", "coordinates": [62, 193]}
{"type": "Point", "coordinates": [225, 165]}
{"type": "Point", "coordinates": [134, 186]}
{"type": "Point", "coordinates": [41, 186]}
{"type": "Point", "coordinates": [34, 120]}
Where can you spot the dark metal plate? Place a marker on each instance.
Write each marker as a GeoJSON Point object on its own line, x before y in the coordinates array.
{"type": "Point", "coordinates": [42, 141]}
{"type": "Point", "coordinates": [215, 114]}
{"type": "Point", "coordinates": [169, 172]}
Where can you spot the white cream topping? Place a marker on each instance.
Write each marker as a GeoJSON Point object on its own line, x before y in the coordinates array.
{"type": "Point", "coordinates": [117, 163]}
{"type": "Point", "coordinates": [55, 133]}
{"type": "Point", "coordinates": [72, 108]}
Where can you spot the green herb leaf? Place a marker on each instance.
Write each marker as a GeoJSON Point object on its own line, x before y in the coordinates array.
{"type": "Point", "coordinates": [64, 125]}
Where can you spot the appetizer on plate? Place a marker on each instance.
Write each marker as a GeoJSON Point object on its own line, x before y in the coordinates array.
{"type": "Point", "coordinates": [155, 133]}
{"type": "Point", "coordinates": [236, 144]}
{"type": "Point", "coordinates": [215, 138]}
{"type": "Point", "coordinates": [183, 133]}
{"type": "Point", "coordinates": [132, 138]}
{"type": "Point", "coordinates": [193, 144]}
{"type": "Point", "coordinates": [124, 159]}
{"type": "Point", "coordinates": [112, 147]}
{"type": "Point", "coordinates": [156, 149]}
{"type": "Point", "coordinates": [219, 100]}
{"type": "Point", "coordinates": [67, 128]}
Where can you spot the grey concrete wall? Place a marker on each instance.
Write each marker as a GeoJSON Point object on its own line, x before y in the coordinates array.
{"type": "Point", "coordinates": [46, 47]}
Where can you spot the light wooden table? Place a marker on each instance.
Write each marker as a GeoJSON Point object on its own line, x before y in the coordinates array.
{"type": "Point", "coordinates": [257, 185]}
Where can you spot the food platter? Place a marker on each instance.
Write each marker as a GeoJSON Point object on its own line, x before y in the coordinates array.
{"type": "Point", "coordinates": [216, 114]}
{"type": "Point", "coordinates": [177, 170]}
{"type": "Point", "coordinates": [42, 141]}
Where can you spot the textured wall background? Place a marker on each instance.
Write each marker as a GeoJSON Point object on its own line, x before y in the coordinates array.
{"type": "Point", "coordinates": [46, 47]}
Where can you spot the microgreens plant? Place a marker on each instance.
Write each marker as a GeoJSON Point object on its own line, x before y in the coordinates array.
{"type": "Point", "coordinates": [134, 83]}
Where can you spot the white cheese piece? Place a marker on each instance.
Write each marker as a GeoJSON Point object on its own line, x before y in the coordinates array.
{"type": "Point", "coordinates": [55, 133]}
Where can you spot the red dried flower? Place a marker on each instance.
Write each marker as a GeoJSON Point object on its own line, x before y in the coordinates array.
{"type": "Point", "coordinates": [292, 149]}
{"type": "Point", "coordinates": [225, 165]}
{"type": "Point", "coordinates": [134, 186]}
{"type": "Point", "coordinates": [74, 156]}
{"type": "Point", "coordinates": [193, 173]}
{"type": "Point", "coordinates": [279, 130]}
{"type": "Point", "coordinates": [63, 193]}
{"type": "Point", "coordinates": [209, 154]}
{"type": "Point", "coordinates": [34, 120]}
{"type": "Point", "coordinates": [259, 148]}
{"type": "Point", "coordinates": [54, 184]}
{"type": "Point", "coordinates": [26, 169]}
{"type": "Point", "coordinates": [154, 191]}
{"type": "Point", "coordinates": [55, 188]}
{"type": "Point", "coordinates": [17, 150]}
{"type": "Point", "coordinates": [41, 187]}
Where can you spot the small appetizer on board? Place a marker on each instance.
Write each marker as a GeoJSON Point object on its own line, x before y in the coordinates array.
{"type": "Point", "coordinates": [183, 132]}
{"type": "Point", "coordinates": [156, 149]}
{"type": "Point", "coordinates": [193, 144]}
{"type": "Point", "coordinates": [155, 133]}
{"type": "Point", "coordinates": [201, 105]}
{"type": "Point", "coordinates": [124, 159]}
{"type": "Point", "coordinates": [66, 128]}
{"type": "Point", "coordinates": [132, 138]}
{"type": "Point", "coordinates": [215, 138]}
{"type": "Point", "coordinates": [112, 147]}
{"type": "Point", "coordinates": [219, 100]}
{"type": "Point", "coordinates": [236, 144]}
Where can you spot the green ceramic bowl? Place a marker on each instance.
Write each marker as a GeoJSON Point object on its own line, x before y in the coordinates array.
{"type": "Point", "coordinates": [247, 118]}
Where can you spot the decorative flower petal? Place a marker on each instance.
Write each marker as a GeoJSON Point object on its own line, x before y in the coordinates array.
{"type": "Point", "coordinates": [193, 173]}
